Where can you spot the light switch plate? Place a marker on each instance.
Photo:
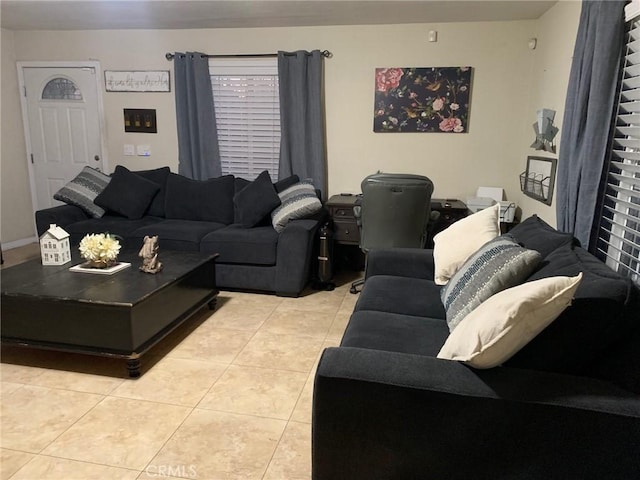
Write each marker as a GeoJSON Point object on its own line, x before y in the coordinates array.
{"type": "Point", "coordinates": [129, 150]}
{"type": "Point", "coordinates": [144, 150]}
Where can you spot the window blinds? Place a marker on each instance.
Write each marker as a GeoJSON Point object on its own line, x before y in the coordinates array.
{"type": "Point", "coordinates": [247, 105]}
{"type": "Point", "coordinates": [619, 235]}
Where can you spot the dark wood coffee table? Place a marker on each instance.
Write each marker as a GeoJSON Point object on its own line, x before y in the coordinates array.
{"type": "Point", "coordinates": [121, 315]}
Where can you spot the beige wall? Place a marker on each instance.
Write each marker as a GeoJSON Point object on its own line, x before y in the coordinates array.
{"type": "Point", "coordinates": [491, 154]}
{"type": "Point", "coordinates": [556, 33]}
{"type": "Point", "coordinates": [15, 197]}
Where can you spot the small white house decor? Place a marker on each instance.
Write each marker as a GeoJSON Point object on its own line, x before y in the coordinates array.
{"type": "Point", "coordinates": [54, 246]}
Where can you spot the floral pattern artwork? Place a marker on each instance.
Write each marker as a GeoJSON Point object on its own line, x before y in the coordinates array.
{"type": "Point", "coordinates": [422, 99]}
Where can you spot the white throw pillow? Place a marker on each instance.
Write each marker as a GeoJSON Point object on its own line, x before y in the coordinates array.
{"type": "Point", "coordinates": [453, 246]}
{"type": "Point", "coordinates": [503, 324]}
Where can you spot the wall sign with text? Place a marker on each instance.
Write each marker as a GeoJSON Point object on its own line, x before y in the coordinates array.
{"type": "Point", "coordinates": [137, 81]}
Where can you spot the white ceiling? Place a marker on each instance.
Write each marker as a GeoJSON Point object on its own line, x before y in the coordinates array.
{"type": "Point", "coordinates": [180, 14]}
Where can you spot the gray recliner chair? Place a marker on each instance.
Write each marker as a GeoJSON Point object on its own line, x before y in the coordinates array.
{"type": "Point", "coordinates": [394, 211]}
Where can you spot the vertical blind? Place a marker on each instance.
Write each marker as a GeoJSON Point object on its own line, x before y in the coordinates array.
{"type": "Point", "coordinates": [619, 234]}
{"type": "Point", "coordinates": [246, 99]}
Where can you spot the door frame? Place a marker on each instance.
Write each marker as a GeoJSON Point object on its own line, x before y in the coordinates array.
{"type": "Point", "coordinates": [25, 115]}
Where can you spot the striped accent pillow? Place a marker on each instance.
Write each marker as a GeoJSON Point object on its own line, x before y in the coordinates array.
{"type": "Point", "coordinates": [82, 190]}
{"type": "Point", "coordinates": [499, 264]}
{"type": "Point", "coordinates": [298, 201]}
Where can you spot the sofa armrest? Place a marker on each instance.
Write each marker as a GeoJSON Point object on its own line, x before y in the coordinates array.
{"type": "Point", "coordinates": [388, 415]}
{"type": "Point", "coordinates": [401, 262]}
{"type": "Point", "coordinates": [294, 256]}
{"type": "Point", "coordinates": [62, 215]}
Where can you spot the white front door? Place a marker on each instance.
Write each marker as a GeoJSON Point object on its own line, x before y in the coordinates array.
{"type": "Point", "coordinates": [62, 126]}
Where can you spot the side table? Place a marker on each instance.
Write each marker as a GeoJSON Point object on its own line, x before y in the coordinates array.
{"type": "Point", "coordinates": [346, 235]}
{"type": "Point", "coordinates": [451, 210]}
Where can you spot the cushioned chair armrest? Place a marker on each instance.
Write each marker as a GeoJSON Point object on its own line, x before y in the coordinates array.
{"type": "Point", "coordinates": [294, 256]}
{"type": "Point", "coordinates": [388, 415]}
{"type": "Point", "coordinates": [400, 262]}
{"type": "Point", "coordinates": [62, 215]}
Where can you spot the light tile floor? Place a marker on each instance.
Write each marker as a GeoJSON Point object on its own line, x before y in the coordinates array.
{"type": "Point", "coordinates": [228, 396]}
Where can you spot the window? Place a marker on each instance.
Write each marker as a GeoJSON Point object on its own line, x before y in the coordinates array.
{"type": "Point", "coordinates": [246, 98]}
{"type": "Point", "coordinates": [61, 89]}
{"type": "Point", "coordinates": [619, 234]}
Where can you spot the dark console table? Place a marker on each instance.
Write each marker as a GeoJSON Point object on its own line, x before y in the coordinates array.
{"type": "Point", "coordinates": [121, 315]}
{"type": "Point", "coordinates": [451, 210]}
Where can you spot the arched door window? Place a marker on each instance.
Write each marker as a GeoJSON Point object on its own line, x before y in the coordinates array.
{"type": "Point", "coordinates": [61, 89]}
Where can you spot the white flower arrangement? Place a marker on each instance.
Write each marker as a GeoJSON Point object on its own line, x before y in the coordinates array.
{"type": "Point", "coordinates": [99, 248]}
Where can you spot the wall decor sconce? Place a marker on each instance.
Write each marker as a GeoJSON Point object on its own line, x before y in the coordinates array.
{"type": "Point", "coordinates": [538, 179]}
{"type": "Point", "coordinates": [140, 120]}
{"type": "Point", "coordinates": [545, 131]}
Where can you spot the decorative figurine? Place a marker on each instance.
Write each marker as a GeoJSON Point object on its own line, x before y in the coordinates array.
{"type": "Point", "coordinates": [149, 254]}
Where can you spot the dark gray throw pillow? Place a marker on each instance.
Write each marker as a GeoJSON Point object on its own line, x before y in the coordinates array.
{"type": "Point", "coordinates": [256, 201]}
{"type": "Point", "coordinates": [499, 264]}
{"type": "Point", "coordinates": [127, 194]}
{"type": "Point", "coordinates": [205, 200]}
{"type": "Point", "coordinates": [535, 234]}
{"type": "Point", "coordinates": [159, 176]}
{"type": "Point", "coordinates": [83, 189]}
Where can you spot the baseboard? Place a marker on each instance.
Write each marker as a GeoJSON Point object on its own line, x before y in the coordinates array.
{"type": "Point", "coordinates": [19, 243]}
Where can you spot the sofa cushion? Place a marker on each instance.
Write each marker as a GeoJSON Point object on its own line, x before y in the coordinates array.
{"type": "Point", "coordinates": [507, 321]}
{"type": "Point", "coordinates": [499, 264]}
{"type": "Point", "coordinates": [453, 246]}
{"type": "Point", "coordinates": [114, 224]}
{"type": "Point", "coordinates": [535, 234]}
{"type": "Point", "coordinates": [83, 189]}
{"type": "Point", "coordinates": [394, 332]}
{"type": "Point", "coordinates": [601, 314]}
{"type": "Point", "coordinates": [176, 234]}
{"type": "Point", "coordinates": [403, 295]}
{"type": "Point", "coordinates": [236, 244]}
{"type": "Point", "coordinates": [298, 201]}
{"type": "Point", "coordinates": [127, 194]}
{"type": "Point", "coordinates": [159, 176]}
{"type": "Point", "coordinates": [255, 201]}
{"type": "Point", "coordinates": [207, 200]}
{"type": "Point", "coordinates": [238, 184]}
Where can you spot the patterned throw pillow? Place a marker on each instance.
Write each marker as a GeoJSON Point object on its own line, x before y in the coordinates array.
{"type": "Point", "coordinates": [499, 264]}
{"type": "Point", "coordinates": [82, 190]}
{"type": "Point", "coordinates": [506, 322]}
{"type": "Point", "coordinates": [298, 201]}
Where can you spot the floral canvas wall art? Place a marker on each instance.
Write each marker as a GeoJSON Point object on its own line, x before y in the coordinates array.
{"type": "Point", "coordinates": [432, 99]}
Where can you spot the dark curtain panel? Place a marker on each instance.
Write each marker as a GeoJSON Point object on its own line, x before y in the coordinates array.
{"type": "Point", "coordinates": [588, 113]}
{"type": "Point", "coordinates": [302, 143]}
{"type": "Point", "coordinates": [198, 153]}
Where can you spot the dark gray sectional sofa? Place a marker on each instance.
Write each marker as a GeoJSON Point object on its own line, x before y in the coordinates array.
{"type": "Point", "coordinates": [566, 406]}
{"type": "Point", "coordinates": [192, 215]}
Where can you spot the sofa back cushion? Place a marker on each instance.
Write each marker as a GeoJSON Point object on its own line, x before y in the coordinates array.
{"type": "Point", "coordinates": [205, 200]}
{"type": "Point", "coordinates": [535, 234]}
{"type": "Point", "coordinates": [604, 313]}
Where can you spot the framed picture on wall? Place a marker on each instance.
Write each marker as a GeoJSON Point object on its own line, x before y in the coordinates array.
{"type": "Point", "coordinates": [422, 99]}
